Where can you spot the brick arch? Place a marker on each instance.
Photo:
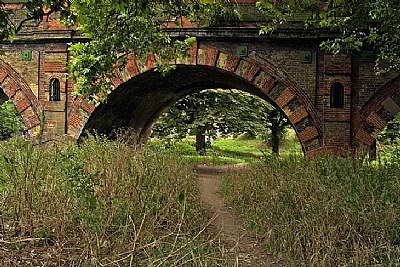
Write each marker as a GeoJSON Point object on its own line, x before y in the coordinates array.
{"type": "Point", "coordinates": [17, 89]}
{"type": "Point", "coordinates": [270, 82]}
{"type": "Point", "coordinates": [383, 106]}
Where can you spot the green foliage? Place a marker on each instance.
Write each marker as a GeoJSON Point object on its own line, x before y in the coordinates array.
{"type": "Point", "coordinates": [369, 24]}
{"type": "Point", "coordinates": [100, 203]}
{"type": "Point", "coordinates": [228, 150]}
{"type": "Point", "coordinates": [115, 30]}
{"type": "Point", "coordinates": [324, 212]}
{"type": "Point", "coordinates": [10, 120]}
{"type": "Point", "coordinates": [221, 112]}
{"type": "Point", "coordinates": [392, 131]}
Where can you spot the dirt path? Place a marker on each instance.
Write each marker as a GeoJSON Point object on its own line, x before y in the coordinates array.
{"type": "Point", "coordinates": [226, 227]}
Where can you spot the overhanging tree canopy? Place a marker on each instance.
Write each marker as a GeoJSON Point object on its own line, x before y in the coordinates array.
{"type": "Point", "coordinates": [115, 29]}
{"type": "Point", "coordinates": [371, 24]}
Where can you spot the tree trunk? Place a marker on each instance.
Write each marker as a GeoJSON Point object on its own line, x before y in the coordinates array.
{"type": "Point", "coordinates": [372, 151]}
{"type": "Point", "coordinates": [201, 140]}
{"type": "Point", "coordinates": [275, 138]}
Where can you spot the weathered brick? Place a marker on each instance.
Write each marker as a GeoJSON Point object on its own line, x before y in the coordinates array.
{"type": "Point", "coordinates": [193, 54]}
{"type": "Point", "coordinates": [87, 107]}
{"type": "Point", "coordinates": [227, 62]}
{"type": "Point", "coordinates": [51, 123]}
{"type": "Point", "coordinates": [9, 87]}
{"type": "Point", "coordinates": [337, 64]}
{"type": "Point", "coordinates": [3, 75]}
{"type": "Point", "coordinates": [251, 72]}
{"type": "Point", "coordinates": [54, 67]}
{"type": "Point", "coordinates": [375, 120]}
{"type": "Point", "coordinates": [131, 66]}
{"type": "Point", "coordinates": [264, 81]}
{"type": "Point", "coordinates": [22, 104]}
{"type": "Point", "coordinates": [222, 60]}
{"type": "Point", "coordinates": [142, 67]}
{"type": "Point", "coordinates": [285, 98]}
{"type": "Point", "coordinates": [364, 137]}
{"type": "Point", "coordinates": [150, 61]}
{"type": "Point", "coordinates": [75, 121]}
{"type": "Point", "coordinates": [232, 62]}
{"type": "Point", "coordinates": [201, 56]}
{"type": "Point", "coordinates": [276, 91]}
{"type": "Point", "coordinates": [212, 55]}
{"type": "Point", "coordinates": [308, 134]}
{"type": "Point", "coordinates": [242, 68]}
{"type": "Point", "coordinates": [116, 80]}
{"type": "Point", "coordinates": [310, 145]}
{"type": "Point", "coordinates": [297, 115]}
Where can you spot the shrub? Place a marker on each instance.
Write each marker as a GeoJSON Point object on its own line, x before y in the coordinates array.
{"type": "Point", "coordinates": [100, 203]}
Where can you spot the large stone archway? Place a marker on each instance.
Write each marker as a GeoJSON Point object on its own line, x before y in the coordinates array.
{"type": "Point", "coordinates": [17, 89]}
{"type": "Point", "coordinates": [141, 94]}
{"type": "Point", "coordinates": [378, 111]}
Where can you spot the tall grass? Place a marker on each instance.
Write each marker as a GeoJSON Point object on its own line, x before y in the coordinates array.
{"type": "Point", "coordinates": [326, 212]}
{"type": "Point", "coordinates": [98, 204]}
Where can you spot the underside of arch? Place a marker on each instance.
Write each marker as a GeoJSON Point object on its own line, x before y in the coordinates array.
{"type": "Point", "coordinates": [141, 94]}
{"type": "Point", "coordinates": [378, 111]}
{"type": "Point", "coordinates": [17, 89]}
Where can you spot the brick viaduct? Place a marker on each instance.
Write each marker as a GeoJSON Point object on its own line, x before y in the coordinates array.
{"type": "Point", "coordinates": [335, 103]}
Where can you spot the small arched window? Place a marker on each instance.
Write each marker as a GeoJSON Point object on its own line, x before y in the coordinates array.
{"type": "Point", "coordinates": [337, 95]}
{"type": "Point", "coordinates": [54, 90]}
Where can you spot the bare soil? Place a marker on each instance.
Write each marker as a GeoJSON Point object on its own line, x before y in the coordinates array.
{"type": "Point", "coordinates": [226, 227]}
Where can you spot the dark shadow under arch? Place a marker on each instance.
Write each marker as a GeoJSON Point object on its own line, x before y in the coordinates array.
{"type": "Point", "coordinates": [381, 108]}
{"type": "Point", "coordinates": [140, 94]}
{"type": "Point", "coordinates": [139, 102]}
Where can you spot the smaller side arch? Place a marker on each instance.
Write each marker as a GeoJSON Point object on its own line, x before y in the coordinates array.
{"type": "Point", "coordinates": [377, 112]}
{"type": "Point", "coordinates": [17, 89]}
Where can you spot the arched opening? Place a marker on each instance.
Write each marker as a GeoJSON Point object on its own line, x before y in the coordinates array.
{"type": "Point", "coordinates": [228, 125]}
{"type": "Point", "coordinates": [138, 103]}
{"type": "Point", "coordinates": [11, 122]}
{"type": "Point", "coordinates": [337, 95]}
{"type": "Point", "coordinates": [54, 90]}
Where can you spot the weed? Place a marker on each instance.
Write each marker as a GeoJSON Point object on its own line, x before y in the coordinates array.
{"type": "Point", "coordinates": [99, 204]}
{"type": "Point", "coordinates": [326, 212]}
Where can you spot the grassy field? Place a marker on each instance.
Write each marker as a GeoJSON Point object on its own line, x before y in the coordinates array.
{"type": "Point", "coordinates": [107, 204]}
{"type": "Point", "coordinates": [325, 212]}
{"type": "Point", "coordinates": [99, 204]}
{"type": "Point", "coordinates": [229, 150]}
